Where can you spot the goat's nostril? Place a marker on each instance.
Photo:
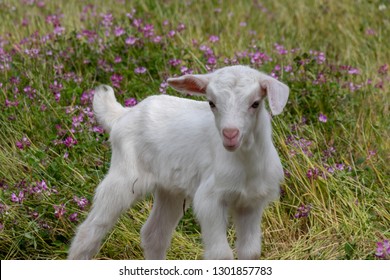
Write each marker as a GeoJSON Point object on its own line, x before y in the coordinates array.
{"type": "Point", "coordinates": [230, 133]}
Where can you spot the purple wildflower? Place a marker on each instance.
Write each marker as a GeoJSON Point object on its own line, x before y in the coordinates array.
{"type": "Point", "coordinates": [17, 198]}
{"type": "Point", "coordinates": [119, 31]}
{"type": "Point", "coordinates": [131, 102]}
{"type": "Point", "coordinates": [34, 215]}
{"type": "Point", "coordinates": [137, 22]}
{"type": "Point", "coordinates": [181, 27]}
{"type": "Point", "coordinates": [330, 169]}
{"type": "Point", "coordinates": [383, 250]}
{"type": "Point", "coordinates": [59, 30]}
{"type": "Point", "coordinates": [81, 202]}
{"type": "Point", "coordinates": [163, 87]}
{"type": "Point", "coordinates": [370, 32]}
{"type": "Point", "coordinates": [98, 129]}
{"type": "Point", "coordinates": [383, 69]}
{"type": "Point", "coordinates": [213, 38]}
{"type": "Point", "coordinates": [328, 152]}
{"type": "Point", "coordinates": [312, 173]}
{"type": "Point", "coordinates": [107, 20]}
{"type": "Point", "coordinates": [175, 62]}
{"type": "Point", "coordinates": [339, 166]}
{"type": "Point", "coordinates": [59, 210]}
{"type": "Point", "coordinates": [130, 40]}
{"type": "Point", "coordinates": [24, 143]}
{"type": "Point", "coordinates": [39, 187]}
{"type": "Point", "coordinates": [288, 68]}
{"type": "Point", "coordinates": [299, 143]}
{"type": "Point", "coordinates": [371, 153]}
{"type": "Point", "coordinates": [303, 211]}
{"type": "Point", "coordinates": [322, 118]}
{"type": "Point", "coordinates": [157, 39]}
{"type": "Point", "coordinates": [77, 120]}
{"type": "Point", "coordinates": [73, 217]}
{"type": "Point", "coordinates": [280, 49]}
{"type": "Point", "coordinates": [185, 70]}
{"type": "Point", "coordinates": [69, 142]}
{"type": "Point", "coordinates": [148, 30]}
{"type": "Point", "coordinates": [212, 60]}
{"type": "Point", "coordinates": [140, 70]}
{"type": "Point", "coordinates": [353, 71]}
{"type": "Point", "coordinates": [116, 79]}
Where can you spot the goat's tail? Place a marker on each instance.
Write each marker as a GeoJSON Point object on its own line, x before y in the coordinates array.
{"type": "Point", "coordinates": [107, 109]}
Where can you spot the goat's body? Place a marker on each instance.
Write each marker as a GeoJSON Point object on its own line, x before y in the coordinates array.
{"type": "Point", "coordinates": [173, 161]}
{"type": "Point", "coordinates": [170, 146]}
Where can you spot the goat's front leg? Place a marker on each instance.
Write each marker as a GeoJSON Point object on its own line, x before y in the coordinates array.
{"type": "Point", "coordinates": [213, 217]}
{"type": "Point", "coordinates": [247, 222]}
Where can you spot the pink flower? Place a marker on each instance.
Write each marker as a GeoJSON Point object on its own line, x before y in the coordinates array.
{"type": "Point", "coordinates": [17, 198]}
{"type": "Point", "coordinates": [213, 38]}
{"type": "Point", "coordinates": [131, 41]}
{"type": "Point", "coordinates": [175, 62]}
{"type": "Point", "coordinates": [69, 142]}
{"type": "Point", "coordinates": [157, 39]}
{"type": "Point", "coordinates": [119, 31]}
{"type": "Point", "coordinates": [370, 32]}
{"type": "Point", "coordinates": [131, 102]}
{"type": "Point", "coordinates": [140, 70]}
{"type": "Point", "coordinates": [73, 217]}
{"type": "Point", "coordinates": [116, 80]}
{"type": "Point", "coordinates": [59, 210]}
{"type": "Point", "coordinates": [322, 118]}
{"type": "Point", "coordinates": [303, 211]}
{"type": "Point", "coordinates": [181, 27]}
{"type": "Point", "coordinates": [24, 143]}
{"type": "Point", "coordinates": [383, 249]}
{"type": "Point", "coordinates": [383, 69]}
{"type": "Point", "coordinates": [353, 71]}
{"type": "Point", "coordinates": [107, 20]}
{"type": "Point", "coordinates": [59, 30]}
{"type": "Point", "coordinates": [163, 87]}
{"type": "Point", "coordinates": [212, 60]}
{"type": "Point", "coordinates": [280, 49]}
{"type": "Point", "coordinates": [81, 202]}
{"type": "Point", "coordinates": [339, 166]}
{"type": "Point", "coordinates": [312, 173]}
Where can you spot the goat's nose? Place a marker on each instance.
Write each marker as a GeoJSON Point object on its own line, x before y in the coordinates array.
{"type": "Point", "coordinates": [230, 133]}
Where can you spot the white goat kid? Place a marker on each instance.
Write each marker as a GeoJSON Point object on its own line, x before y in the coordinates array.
{"type": "Point", "coordinates": [222, 159]}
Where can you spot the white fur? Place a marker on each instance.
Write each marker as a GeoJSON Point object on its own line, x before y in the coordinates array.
{"type": "Point", "coordinates": [177, 149]}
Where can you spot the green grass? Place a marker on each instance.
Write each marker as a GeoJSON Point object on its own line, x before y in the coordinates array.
{"type": "Point", "coordinates": [349, 208]}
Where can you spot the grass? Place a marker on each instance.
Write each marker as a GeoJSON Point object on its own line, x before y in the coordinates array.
{"type": "Point", "coordinates": [333, 54]}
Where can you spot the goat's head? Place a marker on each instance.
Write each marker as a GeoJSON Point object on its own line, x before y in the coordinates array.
{"type": "Point", "coordinates": [235, 95]}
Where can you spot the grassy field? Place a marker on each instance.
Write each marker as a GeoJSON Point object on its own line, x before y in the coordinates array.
{"type": "Point", "coordinates": [333, 137]}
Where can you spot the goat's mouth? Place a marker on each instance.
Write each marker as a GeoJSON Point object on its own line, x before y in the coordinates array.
{"type": "Point", "coordinates": [231, 144]}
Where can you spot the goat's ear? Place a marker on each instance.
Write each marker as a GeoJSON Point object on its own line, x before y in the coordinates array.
{"type": "Point", "coordinates": [190, 84]}
{"type": "Point", "coordinates": [277, 93]}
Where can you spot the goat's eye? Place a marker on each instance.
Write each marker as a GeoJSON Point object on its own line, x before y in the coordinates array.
{"type": "Point", "coordinates": [255, 104]}
{"type": "Point", "coordinates": [212, 105]}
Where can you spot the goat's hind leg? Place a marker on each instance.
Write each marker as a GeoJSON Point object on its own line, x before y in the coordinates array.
{"type": "Point", "coordinates": [156, 234]}
{"type": "Point", "coordinates": [112, 197]}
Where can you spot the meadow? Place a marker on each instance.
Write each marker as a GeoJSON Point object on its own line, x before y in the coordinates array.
{"type": "Point", "coordinates": [333, 137]}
